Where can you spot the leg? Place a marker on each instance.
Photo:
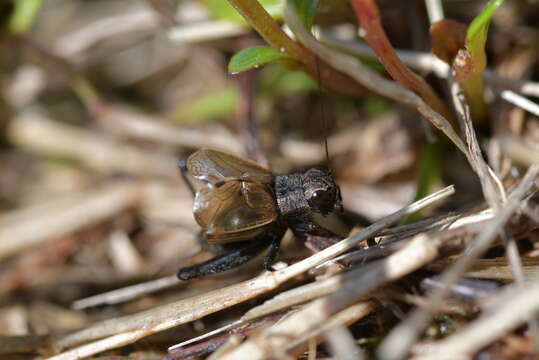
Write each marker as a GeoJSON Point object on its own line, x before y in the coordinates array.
{"type": "Point", "coordinates": [317, 237]}
{"type": "Point", "coordinates": [319, 243]}
{"type": "Point", "coordinates": [223, 262]}
{"type": "Point", "coordinates": [182, 165]}
{"type": "Point", "coordinates": [272, 253]}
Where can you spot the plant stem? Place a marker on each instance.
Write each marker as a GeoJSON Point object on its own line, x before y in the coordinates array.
{"type": "Point", "coordinates": [369, 18]}
{"type": "Point", "coordinates": [270, 30]}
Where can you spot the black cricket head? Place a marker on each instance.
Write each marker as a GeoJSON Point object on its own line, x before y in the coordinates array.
{"type": "Point", "coordinates": [321, 192]}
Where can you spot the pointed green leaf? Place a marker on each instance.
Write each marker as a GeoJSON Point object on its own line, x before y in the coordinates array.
{"type": "Point", "coordinates": [476, 37]}
{"type": "Point", "coordinates": [477, 33]}
{"type": "Point", "coordinates": [254, 57]}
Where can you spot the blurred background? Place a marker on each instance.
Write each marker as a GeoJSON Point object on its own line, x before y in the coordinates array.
{"type": "Point", "coordinates": [100, 98]}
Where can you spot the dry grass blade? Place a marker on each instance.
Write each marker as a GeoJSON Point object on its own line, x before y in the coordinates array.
{"type": "Point", "coordinates": [44, 136]}
{"type": "Point", "coordinates": [346, 317]}
{"type": "Point", "coordinates": [298, 295]}
{"type": "Point", "coordinates": [497, 268]}
{"type": "Point", "coordinates": [127, 293]}
{"type": "Point", "coordinates": [493, 190]}
{"type": "Point", "coordinates": [399, 341]}
{"type": "Point", "coordinates": [435, 10]}
{"type": "Point", "coordinates": [128, 329]}
{"type": "Point", "coordinates": [520, 101]}
{"type": "Point", "coordinates": [26, 228]}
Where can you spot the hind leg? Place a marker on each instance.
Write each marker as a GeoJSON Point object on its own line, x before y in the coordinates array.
{"type": "Point", "coordinates": [226, 261]}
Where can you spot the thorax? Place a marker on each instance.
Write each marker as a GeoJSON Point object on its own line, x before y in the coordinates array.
{"type": "Point", "coordinates": [290, 198]}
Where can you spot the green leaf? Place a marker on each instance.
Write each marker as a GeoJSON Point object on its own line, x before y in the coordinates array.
{"type": "Point", "coordinates": [222, 10]}
{"type": "Point", "coordinates": [24, 15]}
{"type": "Point", "coordinates": [306, 10]}
{"type": "Point", "coordinates": [254, 57]}
{"type": "Point", "coordinates": [477, 33]}
{"type": "Point", "coordinates": [472, 82]}
{"type": "Point", "coordinates": [277, 80]}
{"type": "Point", "coordinates": [217, 105]}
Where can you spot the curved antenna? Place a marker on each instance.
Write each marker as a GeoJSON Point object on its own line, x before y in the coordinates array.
{"type": "Point", "coordinates": [324, 119]}
{"type": "Point", "coordinates": [322, 110]}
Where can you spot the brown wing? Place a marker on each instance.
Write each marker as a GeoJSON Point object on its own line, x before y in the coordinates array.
{"type": "Point", "coordinates": [234, 211]}
{"type": "Point", "coordinates": [214, 166]}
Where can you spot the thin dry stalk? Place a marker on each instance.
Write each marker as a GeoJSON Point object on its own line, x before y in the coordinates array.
{"type": "Point", "coordinates": [39, 134]}
{"type": "Point", "coordinates": [491, 185]}
{"type": "Point", "coordinates": [219, 342]}
{"type": "Point", "coordinates": [129, 329]}
{"type": "Point", "coordinates": [429, 62]}
{"type": "Point", "coordinates": [496, 269]}
{"type": "Point", "coordinates": [520, 101]}
{"type": "Point", "coordinates": [282, 301]}
{"type": "Point", "coordinates": [346, 317]}
{"type": "Point", "coordinates": [30, 227]}
{"type": "Point", "coordinates": [397, 344]}
{"type": "Point", "coordinates": [435, 10]}
{"type": "Point", "coordinates": [298, 295]}
{"type": "Point", "coordinates": [127, 293]}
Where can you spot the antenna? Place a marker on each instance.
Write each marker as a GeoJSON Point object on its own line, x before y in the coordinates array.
{"type": "Point", "coordinates": [322, 110]}
{"type": "Point", "coordinates": [324, 119]}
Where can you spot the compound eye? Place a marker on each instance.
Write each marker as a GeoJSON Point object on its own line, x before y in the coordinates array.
{"type": "Point", "coordinates": [321, 200]}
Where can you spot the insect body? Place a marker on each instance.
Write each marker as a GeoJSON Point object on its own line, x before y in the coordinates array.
{"type": "Point", "coordinates": [246, 209]}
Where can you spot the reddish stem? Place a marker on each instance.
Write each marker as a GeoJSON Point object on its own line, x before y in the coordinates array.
{"type": "Point", "coordinates": [369, 17]}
